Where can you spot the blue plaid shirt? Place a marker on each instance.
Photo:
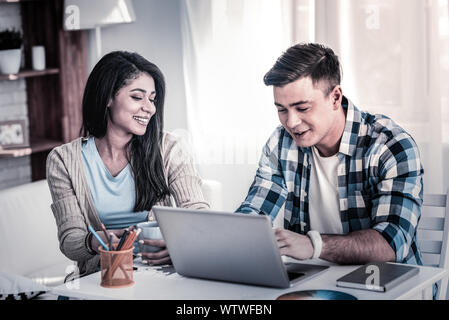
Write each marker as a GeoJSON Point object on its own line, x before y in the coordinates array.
{"type": "Point", "coordinates": [379, 181]}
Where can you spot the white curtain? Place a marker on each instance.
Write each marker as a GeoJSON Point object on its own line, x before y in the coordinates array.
{"type": "Point", "coordinates": [228, 46]}
{"type": "Point", "coordinates": [395, 61]}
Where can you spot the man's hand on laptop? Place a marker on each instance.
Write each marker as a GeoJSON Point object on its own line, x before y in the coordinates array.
{"type": "Point", "coordinates": [156, 258]}
{"type": "Point", "coordinates": [294, 245]}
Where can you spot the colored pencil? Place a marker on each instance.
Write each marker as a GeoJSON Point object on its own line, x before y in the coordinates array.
{"type": "Point", "coordinates": [128, 240]}
{"type": "Point", "coordinates": [122, 240]}
{"type": "Point", "coordinates": [128, 244]}
{"type": "Point", "coordinates": [98, 237]}
{"type": "Point", "coordinates": [105, 232]}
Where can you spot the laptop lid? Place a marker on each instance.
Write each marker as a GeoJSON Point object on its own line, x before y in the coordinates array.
{"type": "Point", "coordinates": [223, 246]}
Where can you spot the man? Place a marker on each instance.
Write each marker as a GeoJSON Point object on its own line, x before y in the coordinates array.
{"type": "Point", "coordinates": [351, 181]}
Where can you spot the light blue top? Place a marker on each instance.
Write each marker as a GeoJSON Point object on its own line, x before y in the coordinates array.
{"type": "Point", "coordinates": [114, 197]}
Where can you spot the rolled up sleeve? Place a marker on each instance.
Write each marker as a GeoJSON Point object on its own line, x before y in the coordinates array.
{"type": "Point", "coordinates": [397, 203]}
{"type": "Point", "coordinates": [268, 191]}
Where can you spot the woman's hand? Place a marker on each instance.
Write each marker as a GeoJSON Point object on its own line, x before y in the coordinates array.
{"type": "Point", "coordinates": [155, 258]}
{"type": "Point", "coordinates": [116, 235]}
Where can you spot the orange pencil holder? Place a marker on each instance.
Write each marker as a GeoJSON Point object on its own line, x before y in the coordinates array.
{"type": "Point", "coordinates": [116, 268]}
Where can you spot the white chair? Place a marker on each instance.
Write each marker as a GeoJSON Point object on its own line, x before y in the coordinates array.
{"type": "Point", "coordinates": [433, 236]}
{"type": "Point", "coordinates": [28, 235]}
{"type": "Point", "coordinates": [213, 193]}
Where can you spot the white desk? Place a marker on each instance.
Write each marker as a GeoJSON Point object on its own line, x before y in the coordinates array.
{"type": "Point", "coordinates": [153, 284]}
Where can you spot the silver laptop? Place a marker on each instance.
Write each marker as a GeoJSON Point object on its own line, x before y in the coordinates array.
{"type": "Point", "coordinates": [226, 246]}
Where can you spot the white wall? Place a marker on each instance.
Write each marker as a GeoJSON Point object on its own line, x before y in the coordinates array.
{"type": "Point", "coordinates": [156, 35]}
{"type": "Point", "coordinates": [235, 179]}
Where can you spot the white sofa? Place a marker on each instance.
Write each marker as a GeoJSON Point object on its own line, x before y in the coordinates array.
{"type": "Point", "coordinates": [29, 235]}
{"type": "Point", "coordinates": [28, 232]}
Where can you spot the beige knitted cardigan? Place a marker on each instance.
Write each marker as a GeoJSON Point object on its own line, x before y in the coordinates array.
{"type": "Point", "coordinates": [73, 206]}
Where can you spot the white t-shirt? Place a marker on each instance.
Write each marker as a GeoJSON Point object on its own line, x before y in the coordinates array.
{"type": "Point", "coordinates": [324, 208]}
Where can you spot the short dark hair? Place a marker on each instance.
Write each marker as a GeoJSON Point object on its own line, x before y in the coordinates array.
{"type": "Point", "coordinates": [114, 71]}
{"type": "Point", "coordinates": [304, 60]}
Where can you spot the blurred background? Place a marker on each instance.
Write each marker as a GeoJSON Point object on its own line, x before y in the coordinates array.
{"type": "Point", "coordinates": [394, 55]}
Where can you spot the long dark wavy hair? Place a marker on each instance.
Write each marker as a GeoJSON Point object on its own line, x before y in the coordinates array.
{"type": "Point", "coordinates": [110, 74]}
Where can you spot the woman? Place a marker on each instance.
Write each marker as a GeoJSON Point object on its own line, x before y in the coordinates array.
{"type": "Point", "coordinates": [123, 166]}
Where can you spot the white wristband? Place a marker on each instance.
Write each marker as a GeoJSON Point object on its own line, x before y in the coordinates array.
{"type": "Point", "coordinates": [317, 243]}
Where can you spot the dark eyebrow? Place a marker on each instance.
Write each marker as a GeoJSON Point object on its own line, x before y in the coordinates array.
{"type": "Point", "coordinates": [299, 103]}
{"type": "Point", "coordinates": [293, 104]}
{"type": "Point", "coordinates": [142, 90]}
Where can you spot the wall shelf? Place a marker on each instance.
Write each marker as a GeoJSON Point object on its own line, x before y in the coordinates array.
{"type": "Point", "coordinates": [36, 145]}
{"type": "Point", "coordinates": [28, 73]}
{"type": "Point", "coordinates": [15, 1]}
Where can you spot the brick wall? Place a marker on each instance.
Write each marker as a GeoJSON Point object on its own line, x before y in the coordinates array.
{"type": "Point", "coordinates": [13, 106]}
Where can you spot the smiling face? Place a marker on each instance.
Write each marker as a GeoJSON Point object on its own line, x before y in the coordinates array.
{"type": "Point", "coordinates": [311, 118]}
{"type": "Point", "coordinates": [131, 109]}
